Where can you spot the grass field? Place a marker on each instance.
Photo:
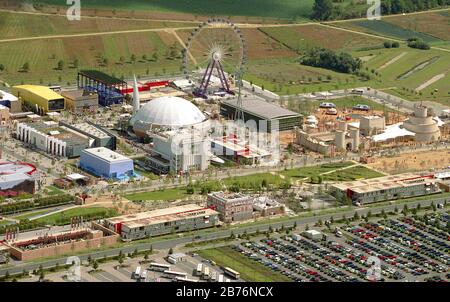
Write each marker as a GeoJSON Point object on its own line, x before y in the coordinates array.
{"type": "Point", "coordinates": [43, 56]}
{"type": "Point", "coordinates": [14, 25]}
{"type": "Point", "coordinates": [353, 173]}
{"type": "Point", "coordinates": [249, 270]}
{"type": "Point", "coordinates": [341, 103]}
{"type": "Point", "coordinates": [64, 216]}
{"type": "Point", "coordinates": [387, 29]}
{"type": "Point", "coordinates": [288, 9]}
{"type": "Point", "coordinates": [434, 24]}
{"type": "Point", "coordinates": [300, 38]}
{"type": "Point", "coordinates": [167, 194]}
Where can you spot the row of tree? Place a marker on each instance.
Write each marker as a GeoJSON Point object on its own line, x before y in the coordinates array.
{"type": "Point", "coordinates": [29, 204]}
{"type": "Point", "coordinates": [407, 6]}
{"type": "Point", "coordinates": [325, 9]}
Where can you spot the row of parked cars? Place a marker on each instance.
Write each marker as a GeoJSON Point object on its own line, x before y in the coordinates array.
{"type": "Point", "coordinates": [418, 241]}
{"type": "Point", "coordinates": [360, 107]}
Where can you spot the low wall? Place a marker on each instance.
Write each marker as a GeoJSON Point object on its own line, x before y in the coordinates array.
{"type": "Point", "coordinates": [95, 241]}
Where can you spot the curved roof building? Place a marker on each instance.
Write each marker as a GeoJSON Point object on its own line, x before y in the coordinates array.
{"type": "Point", "coordinates": [166, 112]}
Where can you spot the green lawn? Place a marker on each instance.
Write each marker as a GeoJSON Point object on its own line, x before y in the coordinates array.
{"type": "Point", "coordinates": [88, 213]}
{"type": "Point", "coordinates": [168, 194]}
{"type": "Point", "coordinates": [354, 173]}
{"type": "Point", "coordinates": [32, 214]}
{"type": "Point", "coordinates": [249, 269]}
{"type": "Point", "coordinates": [52, 190]}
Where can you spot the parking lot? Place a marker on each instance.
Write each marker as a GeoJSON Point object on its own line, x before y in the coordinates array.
{"type": "Point", "coordinates": [401, 249]}
{"type": "Point", "coordinates": [128, 271]}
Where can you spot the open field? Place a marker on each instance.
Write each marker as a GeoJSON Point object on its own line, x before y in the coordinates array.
{"type": "Point", "coordinates": [167, 194]}
{"type": "Point", "coordinates": [436, 24]}
{"type": "Point", "coordinates": [288, 9]}
{"type": "Point", "coordinates": [249, 270]}
{"type": "Point", "coordinates": [43, 56]}
{"type": "Point", "coordinates": [300, 38]}
{"type": "Point", "coordinates": [383, 28]}
{"type": "Point", "coordinates": [64, 217]}
{"type": "Point", "coordinates": [412, 162]}
{"type": "Point", "coordinates": [15, 25]}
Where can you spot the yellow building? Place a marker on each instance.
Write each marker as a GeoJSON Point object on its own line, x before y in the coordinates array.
{"type": "Point", "coordinates": [41, 99]}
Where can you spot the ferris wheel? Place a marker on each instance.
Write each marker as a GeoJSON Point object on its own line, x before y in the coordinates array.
{"type": "Point", "coordinates": [214, 50]}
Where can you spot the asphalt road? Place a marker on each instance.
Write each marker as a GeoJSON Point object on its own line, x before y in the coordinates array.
{"type": "Point", "coordinates": [170, 243]}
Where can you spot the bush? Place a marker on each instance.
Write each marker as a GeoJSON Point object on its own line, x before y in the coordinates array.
{"type": "Point", "coordinates": [418, 43]}
{"type": "Point", "coordinates": [326, 58]}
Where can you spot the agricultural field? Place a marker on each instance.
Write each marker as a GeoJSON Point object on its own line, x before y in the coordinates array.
{"type": "Point", "coordinates": [249, 270]}
{"type": "Point", "coordinates": [436, 24]}
{"type": "Point", "coordinates": [17, 25]}
{"type": "Point", "coordinates": [44, 54]}
{"type": "Point", "coordinates": [303, 37]}
{"type": "Point", "coordinates": [386, 29]}
{"type": "Point", "coordinates": [285, 9]}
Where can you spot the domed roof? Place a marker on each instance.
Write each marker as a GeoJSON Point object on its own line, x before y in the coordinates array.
{"type": "Point", "coordinates": [169, 111]}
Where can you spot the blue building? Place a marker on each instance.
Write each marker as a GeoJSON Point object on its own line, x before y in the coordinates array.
{"type": "Point", "coordinates": [106, 163]}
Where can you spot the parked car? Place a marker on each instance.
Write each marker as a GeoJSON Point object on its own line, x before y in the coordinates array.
{"type": "Point", "coordinates": [332, 111]}
{"type": "Point", "coordinates": [327, 105]}
{"type": "Point", "coordinates": [361, 107]}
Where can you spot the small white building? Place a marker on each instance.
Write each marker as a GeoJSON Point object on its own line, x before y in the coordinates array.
{"type": "Point", "coordinates": [176, 257]}
{"type": "Point", "coordinates": [312, 234]}
{"type": "Point", "coordinates": [179, 151]}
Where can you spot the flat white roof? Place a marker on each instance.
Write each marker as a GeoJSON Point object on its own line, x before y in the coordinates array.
{"type": "Point", "coordinates": [75, 176]}
{"type": "Point", "coordinates": [5, 96]}
{"type": "Point", "coordinates": [313, 232]}
{"type": "Point", "coordinates": [106, 154]}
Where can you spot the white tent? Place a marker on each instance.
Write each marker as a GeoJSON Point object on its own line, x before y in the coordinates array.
{"type": "Point", "coordinates": [391, 132]}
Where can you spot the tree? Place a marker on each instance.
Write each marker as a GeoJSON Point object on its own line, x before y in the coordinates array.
{"type": "Point", "coordinates": [26, 67]}
{"type": "Point", "coordinates": [120, 261]}
{"type": "Point", "coordinates": [60, 64]}
{"type": "Point", "coordinates": [155, 57]}
{"type": "Point", "coordinates": [2, 67]}
{"type": "Point", "coordinates": [133, 58]}
{"type": "Point", "coordinates": [170, 251]}
{"type": "Point", "coordinates": [95, 265]}
{"type": "Point", "coordinates": [322, 10]}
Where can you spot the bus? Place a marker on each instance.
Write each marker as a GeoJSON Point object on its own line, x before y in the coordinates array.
{"type": "Point", "coordinates": [137, 273]}
{"type": "Point", "coordinates": [181, 279]}
{"type": "Point", "coordinates": [198, 271]}
{"type": "Point", "coordinates": [142, 277]}
{"type": "Point", "coordinates": [220, 279]}
{"type": "Point", "coordinates": [232, 273]}
{"type": "Point", "coordinates": [173, 274]}
{"type": "Point", "coordinates": [213, 276]}
{"type": "Point", "coordinates": [159, 267]}
{"type": "Point", "coordinates": [205, 274]}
